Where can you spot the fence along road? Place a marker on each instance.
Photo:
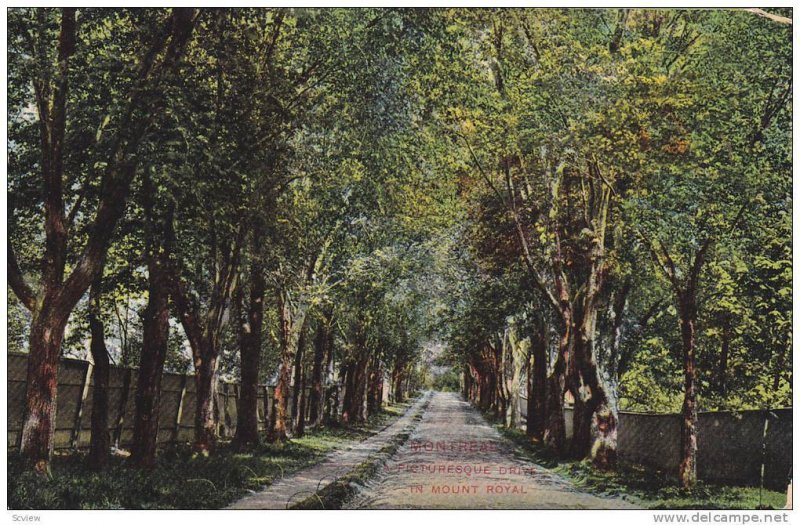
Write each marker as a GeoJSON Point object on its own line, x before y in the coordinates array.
{"type": "Point", "coordinates": [74, 410]}
{"type": "Point", "coordinates": [731, 445]}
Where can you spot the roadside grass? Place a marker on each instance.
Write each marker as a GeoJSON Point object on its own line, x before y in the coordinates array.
{"type": "Point", "coordinates": [339, 492]}
{"type": "Point", "coordinates": [336, 494]}
{"type": "Point", "coordinates": [646, 487]}
{"type": "Point", "coordinates": [181, 479]}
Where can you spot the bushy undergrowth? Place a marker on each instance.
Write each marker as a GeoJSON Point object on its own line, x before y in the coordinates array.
{"type": "Point", "coordinates": [646, 487]}
{"type": "Point", "coordinates": [181, 479]}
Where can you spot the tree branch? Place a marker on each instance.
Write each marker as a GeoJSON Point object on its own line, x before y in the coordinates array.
{"type": "Point", "coordinates": [53, 158]}
{"type": "Point", "coordinates": [116, 182]}
{"type": "Point", "coordinates": [774, 18]}
{"type": "Point", "coordinates": [699, 258]}
{"type": "Point", "coordinates": [670, 264]}
{"type": "Point", "coordinates": [17, 281]}
{"type": "Point", "coordinates": [657, 259]}
{"type": "Point", "coordinates": [481, 170]}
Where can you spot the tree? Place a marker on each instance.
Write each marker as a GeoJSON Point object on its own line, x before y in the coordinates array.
{"type": "Point", "coordinates": [155, 323]}
{"type": "Point", "coordinates": [100, 440]}
{"type": "Point", "coordinates": [700, 186]}
{"type": "Point", "coordinates": [59, 293]}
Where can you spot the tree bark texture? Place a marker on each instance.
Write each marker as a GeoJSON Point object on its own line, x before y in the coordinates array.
{"type": "Point", "coordinates": [58, 296]}
{"type": "Point", "coordinates": [250, 334]}
{"type": "Point", "coordinates": [155, 325]}
{"type": "Point", "coordinates": [100, 442]}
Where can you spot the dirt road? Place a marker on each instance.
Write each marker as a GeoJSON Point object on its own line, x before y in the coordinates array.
{"type": "Point", "coordinates": [455, 460]}
{"type": "Point", "coordinates": [305, 483]}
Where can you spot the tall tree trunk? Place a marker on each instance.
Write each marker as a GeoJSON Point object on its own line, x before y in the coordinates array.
{"type": "Point", "coordinates": [562, 377]}
{"type": "Point", "coordinates": [530, 408]}
{"type": "Point", "coordinates": [686, 298]}
{"type": "Point", "coordinates": [482, 395]}
{"type": "Point", "coordinates": [317, 397]}
{"type": "Point", "coordinates": [555, 429]}
{"type": "Point", "coordinates": [467, 384]}
{"type": "Point", "coordinates": [206, 415]}
{"type": "Point", "coordinates": [331, 395]}
{"type": "Point", "coordinates": [47, 331]}
{"type": "Point", "coordinates": [595, 418]}
{"type": "Point", "coordinates": [475, 384]}
{"type": "Point", "coordinates": [508, 367]}
{"type": "Point", "coordinates": [617, 310]}
{"type": "Point", "coordinates": [503, 395]}
{"type": "Point", "coordinates": [123, 402]}
{"type": "Point", "coordinates": [50, 312]}
{"type": "Point", "coordinates": [291, 326]}
{"type": "Point", "coordinates": [585, 397]}
{"type": "Point", "coordinates": [335, 407]}
{"type": "Point", "coordinates": [155, 336]}
{"type": "Point", "coordinates": [537, 385]}
{"type": "Point", "coordinates": [581, 427]}
{"type": "Point", "coordinates": [155, 325]}
{"type": "Point", "coordinates": [353, 406]}
{"type": "Point", "coordinates": [397, 382]}
{"type": "Point", "coordinates": [381, 390]}
{"type": "Point", "coordinates": [583, 402]}
{"type": "Point", "coordinates": [486, 378]}
{"type": "Point", "coordinates": [375, 388]}
{"type": "Point", "coordinates": [724, 352]}
{"type": "Point", "coordinates": [514, 417]}
{"type": "Point", "coordinates": [203, 330]}
{"type": "Point", "coordinates": [250, 353]}
{"type": "Point", "coordinates": [100, 442]}
{"type": "Point", "coordinates": [363, 391]}
{"type": "Point", "coordinates": [688, 319]}
{"type": "Point", "coordinates": [300, 421]}
{"type": "Point", "coordinates": [299, 380]}
{"type": "Point", "coordinates": [348, 372]}
{"type": "Point", "coordinates": [277, 423]}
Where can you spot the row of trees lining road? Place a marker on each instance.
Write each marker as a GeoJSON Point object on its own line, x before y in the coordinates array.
{"type": "Point", "coordinates": [627, 177]}
{"type": "Point", "coordinates": [587, 206]}
{"type": "Point", "coordinates": [228, 175]}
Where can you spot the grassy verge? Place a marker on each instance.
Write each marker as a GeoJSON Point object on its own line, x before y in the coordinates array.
{"type": "Point", "coordinates": [645, 487]}
{"type": "Point", "coordinates": [181, 479]}
{"type": "Point", "coordinates": [336, 494]}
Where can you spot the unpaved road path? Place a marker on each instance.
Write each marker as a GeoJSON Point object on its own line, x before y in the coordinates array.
{"type": "Point", "coordinates": [455, 460]}
{"type": "Point", "coordinates": [304, 483]}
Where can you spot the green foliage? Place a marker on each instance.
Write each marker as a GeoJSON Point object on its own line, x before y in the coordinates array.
{"type": "Point", "coordinates": [690, 135]}
{"type": "Point", "coordinates": [425, 177]}
{"type": "Point", "coordinates": [447, 381]}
